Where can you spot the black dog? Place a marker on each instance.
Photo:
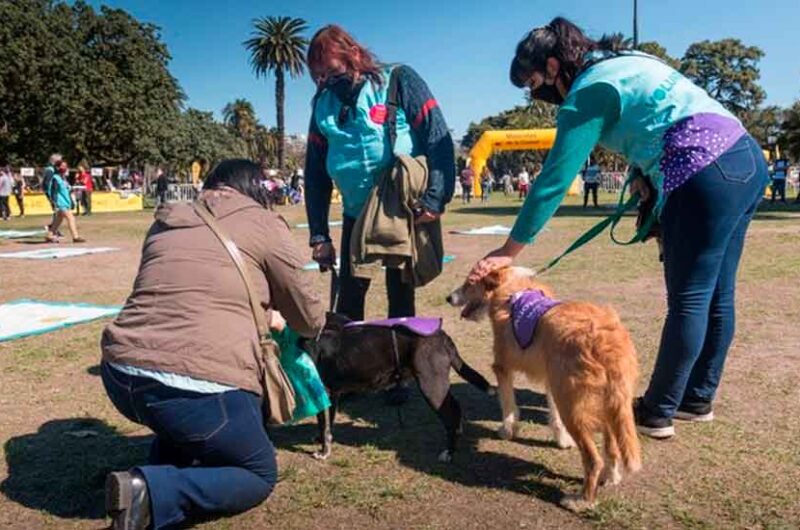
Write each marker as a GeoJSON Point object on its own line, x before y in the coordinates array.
{"type": "Point", "coordinates": [369, 358]}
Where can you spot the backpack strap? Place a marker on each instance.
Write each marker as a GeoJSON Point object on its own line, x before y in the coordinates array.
{"type": "Point", "coordinates": [391, 107]}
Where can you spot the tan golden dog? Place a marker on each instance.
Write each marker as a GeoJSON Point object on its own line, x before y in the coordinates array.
{"type": "Point", "coordinates": [586, 360]}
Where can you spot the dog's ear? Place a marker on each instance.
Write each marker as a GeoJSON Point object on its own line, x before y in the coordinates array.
{"type": "Point", "coordinates": [493, 280]}
{"type": "Point", "coordinates": [335, 321]}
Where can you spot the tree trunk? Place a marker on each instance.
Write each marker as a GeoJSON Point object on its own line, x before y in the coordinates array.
{"type": "Point", "coordinates": [279, 99]}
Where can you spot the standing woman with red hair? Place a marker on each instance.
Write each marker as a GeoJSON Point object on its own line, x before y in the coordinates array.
{"type": "Point", "coordinates": [348, 144]}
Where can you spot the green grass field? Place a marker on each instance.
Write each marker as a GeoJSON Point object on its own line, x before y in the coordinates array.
{"type": "Point", "coordinates": [740, 471]}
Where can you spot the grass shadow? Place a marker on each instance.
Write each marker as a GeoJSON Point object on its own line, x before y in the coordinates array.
{"type": "Point", "coordinates": [33, 241]}
{"type": "Point", "coordinates": [565, 210]}
{"type": "Point", "coordinates": [419, 438]}
{"type": "Point", "coordinates": [61, 468]}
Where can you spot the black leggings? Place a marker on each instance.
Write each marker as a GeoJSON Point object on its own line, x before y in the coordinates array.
{"type": "Point", "coordinates": [353, 291]}
{"type": "Point", "coordinates": [5, 209]}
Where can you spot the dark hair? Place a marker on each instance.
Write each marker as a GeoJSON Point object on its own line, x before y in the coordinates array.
{"type": "Point", "coordinates": [241, 175]}
{"type": "Point", "coordinates": [334, 41]}
{"type": "Point", "coordinates": [562, 40]}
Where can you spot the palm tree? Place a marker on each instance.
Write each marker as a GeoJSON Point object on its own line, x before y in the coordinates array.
{"type": "Point", "coordinates": [278, 46]}
{"type": "Point", "coordinates": [240, 117]}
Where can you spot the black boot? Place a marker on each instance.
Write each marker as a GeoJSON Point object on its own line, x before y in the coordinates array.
{"type": "Point", "coordinates": [127, 501]}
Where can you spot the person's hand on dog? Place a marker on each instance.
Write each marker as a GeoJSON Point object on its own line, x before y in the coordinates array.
{"type": "Point", "coordinates": [325, 255]}
{"type": "Point", "coordinates": [496, 259]}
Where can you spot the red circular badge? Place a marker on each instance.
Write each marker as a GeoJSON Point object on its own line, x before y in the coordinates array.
{"type": "Point", "coordinates": [377, 113]}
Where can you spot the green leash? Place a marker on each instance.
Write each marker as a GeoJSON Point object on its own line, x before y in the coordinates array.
{"type": "Point", "coordinates": [612, 220]}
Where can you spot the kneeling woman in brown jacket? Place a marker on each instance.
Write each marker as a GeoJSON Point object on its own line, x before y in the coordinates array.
{"type": "Point", "coordinates": [181, 356]}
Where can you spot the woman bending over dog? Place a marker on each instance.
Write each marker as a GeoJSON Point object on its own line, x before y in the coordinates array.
{"type": "Point", "coordinates": [708, 175]}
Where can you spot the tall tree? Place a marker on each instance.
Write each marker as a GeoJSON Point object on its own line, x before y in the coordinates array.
{"type": "Point", "coordinates": [277, 46]}
{"type": "Point", "coordinates": [728, 70]}
{"type": "Point", "coordinates": [764, 123]}
{"type": "Point", "coordinates": [196, 136]}
{"type": "Point", "coordinates": [91, 84]}
{"type": "Point", "coordinates": [657, 50]}
{"type": "Point", "coordinates": [240, 117]}
{"type": "Point", "coordinates": [790, 136]}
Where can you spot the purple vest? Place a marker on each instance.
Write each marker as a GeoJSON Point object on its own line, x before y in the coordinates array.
{"type": "Point", "coordinates": [424, 327]}
{"type": "Point", "coordinates": [527, 307]}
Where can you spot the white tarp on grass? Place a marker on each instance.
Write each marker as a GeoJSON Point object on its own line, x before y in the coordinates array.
{"type": "Point", "coordinates": [55, 252]}
{"type": "Point", "coordinates": [21, 318]}
{"type": "Point", "coordinates": [494, 230]}
{"type": "Point", "coordinates": [18, 234]}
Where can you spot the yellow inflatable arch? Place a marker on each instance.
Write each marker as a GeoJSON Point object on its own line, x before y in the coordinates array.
{"type": "Point", "coordinates": [508, 140]}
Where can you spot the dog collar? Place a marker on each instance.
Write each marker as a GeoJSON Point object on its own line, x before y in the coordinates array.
{"type": "Point", "coordinates": [527, 307]}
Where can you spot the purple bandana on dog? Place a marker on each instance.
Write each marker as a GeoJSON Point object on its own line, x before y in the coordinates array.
{"type": "Point", "coordinates": [527, 307]}
{"type": "Point", "coordinates": [418, 325]}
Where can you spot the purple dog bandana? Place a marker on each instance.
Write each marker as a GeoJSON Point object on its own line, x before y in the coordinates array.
{"type": "Point", "coordinates": [424, 327]}
{"type": "Point", "coordinates": [527, 307]}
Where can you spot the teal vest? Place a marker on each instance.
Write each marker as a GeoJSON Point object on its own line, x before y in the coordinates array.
{"type": "Point", "coordinates": [359, 150]}
{"type": "Point", "coordinates": [653, 97]}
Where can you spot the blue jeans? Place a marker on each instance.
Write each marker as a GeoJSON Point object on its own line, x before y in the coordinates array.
{"type": "Point", "coordinates": [211, 453]}
{"type": "Point", "coordinates": [703, 230]}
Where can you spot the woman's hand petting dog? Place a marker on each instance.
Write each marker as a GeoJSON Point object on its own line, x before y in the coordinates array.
{"type": "Point", "coordinates": [497, 259]}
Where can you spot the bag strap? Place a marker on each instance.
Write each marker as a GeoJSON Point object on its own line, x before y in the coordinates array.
{"type": "Point", "coordinates": [259, 315]}
{"type": "Point", "coordinates": [391, 107]}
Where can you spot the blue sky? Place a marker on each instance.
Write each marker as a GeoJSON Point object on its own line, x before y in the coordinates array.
{"type": "Point", "coordinates": [462, 48]}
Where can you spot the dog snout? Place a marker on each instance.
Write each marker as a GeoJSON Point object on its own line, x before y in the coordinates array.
{"type": "Point", "coordinates": [456, 298]}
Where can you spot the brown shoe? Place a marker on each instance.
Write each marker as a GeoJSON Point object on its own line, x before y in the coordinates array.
{"type": "Point", "coordinates": [79, 240]}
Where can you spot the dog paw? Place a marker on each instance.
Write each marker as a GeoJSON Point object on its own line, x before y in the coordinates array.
{"type": "Point", "coordinates": [576, 503]}
{"type": "Point", "coordinates": [506, 432]}
{"type": "Point", "coordinates": [445, 456]}
{"type": "Point", "coordinates": [611, 476]}
{"type": "Point", "coordinates": [564, 441]}
{"type": "Point", "coordinates": [321, 455]}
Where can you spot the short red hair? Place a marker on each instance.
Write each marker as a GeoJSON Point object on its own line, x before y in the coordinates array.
{"type": "Point", "coordinates": [333, 42]}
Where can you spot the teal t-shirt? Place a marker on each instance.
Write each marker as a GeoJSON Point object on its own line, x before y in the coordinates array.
{"type": "Point", "coordinates": [358, 148]}
{"type": "Point", "coordinates": [626, 104]}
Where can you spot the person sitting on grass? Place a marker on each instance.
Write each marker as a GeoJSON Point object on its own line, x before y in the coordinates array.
{"type": "Point", "coordinates": [62, 205]}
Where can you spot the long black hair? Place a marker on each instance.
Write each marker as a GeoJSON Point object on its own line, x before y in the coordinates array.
{"type": "Point", "coordinates": [562, 40]}
{"type": "Point", "coordinates": [241, 175]}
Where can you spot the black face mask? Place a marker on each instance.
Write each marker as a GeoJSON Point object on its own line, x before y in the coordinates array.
{"type": "Point", "coordinates": [548, 94]}
{"type": "Point", "coordinates": [343, 86]}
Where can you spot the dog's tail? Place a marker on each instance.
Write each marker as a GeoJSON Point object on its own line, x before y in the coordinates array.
{"type": "Point", "coordinates": [623, 427]}
{"type": "Point", "coordinates": [469, 374]}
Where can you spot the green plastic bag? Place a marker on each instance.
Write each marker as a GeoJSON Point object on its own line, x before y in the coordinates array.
{"type": "Point", "coordinates": [310, 395]}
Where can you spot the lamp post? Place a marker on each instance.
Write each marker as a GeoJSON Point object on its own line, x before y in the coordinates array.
{"type": "Point", "coordinates": [635, 24]}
